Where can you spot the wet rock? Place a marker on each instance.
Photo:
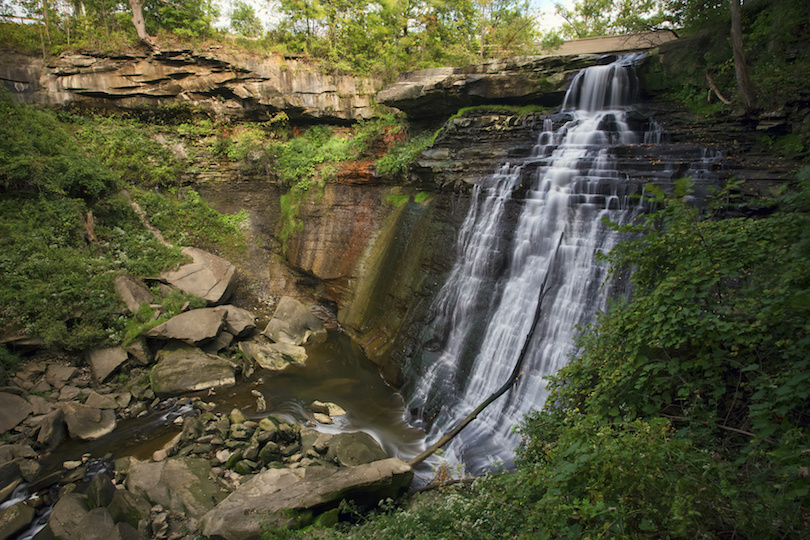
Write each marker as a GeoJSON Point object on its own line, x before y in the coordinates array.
{"type": "Point", "coordinates": [322, 418]}
{"type": "Point", "coordinates": [14, 519]}
{"type": "Point", "coordinates": [293, 323]}
{"type": "Point", "coordinates": [97, 524]}
{"type": "Point", "coordinates": [179, 484]}
{"type": "Point", "coordinates": [270, 452]}
{"type": "Point", "coordinates": [10, 478]}
{"type": "Point", "coordinates": [208, 276]}
{"type": "Point", "coordinates": [13, 410]}
{"type": "Point", "coordinates": [87, 423]}
{"type": "Point", "coordinates": [328, 408]}
{"type": "Point", "coordinates": [270, 496]}
{"type": "Point", "coordinates": [133, 292]}
{"type": "Point", "coordinates": [193, 327]}
{"type": "Point", "coordinates": [105, 361]}
{"type": "Point", "coordinates": [101, 491]}
{"type": "Point", "coordinates": [97, 401]}
{"type": "Point", "coordinates": [349, 449]}
{"type": "Point", "coordinates": [237, 417]}
{"type": "Point", "coordinates": [126, 507]}
{"type": "Point", "coordinates": [181, 368]}
{"type": "Point", "coordinates": [239, 322]}
{"type": "Point", "coordinates": [29, 469]}
{"type": "Point", "coordinates": [274, 356]}
{"type": "Point", "coordinates": [67, 513]}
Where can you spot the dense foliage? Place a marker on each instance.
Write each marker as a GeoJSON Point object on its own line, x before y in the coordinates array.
{"type": "Point", "coordinates": [685, 414]}
{"type": "Point", "coordinates": [67, 230]}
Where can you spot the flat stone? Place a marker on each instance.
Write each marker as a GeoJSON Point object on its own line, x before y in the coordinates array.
{"type": "Point", "coordinates": [105, 361]}
{"type": "Point", "coordinates": [97, 401]}
{"type": "Point", "coordinates": [223, 340]}
{"type": "Point", "coordinates": [87, 423]}
{"type": "Point", "coordinates": [39, 405]}
{"type": "Point", "coordinates": [274, 356]}
{"type": "Point", "coordinates": [208, 276]}
{"type": "Point", "coordinates": [13, 410]}
{"type": "Point", "coordinates": [57, 373]}
{"type": "Point", "coordinates": [132, 292]}
{"type": "Point", "coordinates": [193, 327]}
{"type": "Point", "coordinates": [293, 323]}
{"type": "Point", "coordinates": [271, 495]}
{"type": "Point", "coordinates": [182, 368]}
{"type": "Point", "coordinates": [69, 392]}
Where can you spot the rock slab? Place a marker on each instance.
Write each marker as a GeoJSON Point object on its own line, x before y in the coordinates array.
{"type": "Point", "coordinates": [208, 276]}
{"type": "Point", "coordinates": [13, 410]}
{"type": "Point", "coordinates": [194, 327]}
{"type": "Point", "coordinates": [275, 356]}
{"type": "Point", "coordinates": [182, 368]}
{"type": "Point", "coordinates": [272, 494]}
{"type": "Point", "coordinates": [104, 362]}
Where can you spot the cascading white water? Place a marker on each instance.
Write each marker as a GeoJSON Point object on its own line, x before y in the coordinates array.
{"type": "Point", "coordinates": [508, 247]}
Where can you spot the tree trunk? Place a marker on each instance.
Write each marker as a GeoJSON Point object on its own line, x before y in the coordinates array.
{"type": "Point", "coordinates": [744, 84]}
{"type": "Point", "coordinates": [140, 24]}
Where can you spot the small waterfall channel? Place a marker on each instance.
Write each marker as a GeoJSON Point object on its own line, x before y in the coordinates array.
{"type": "Point", "coordinates": [538, 220]}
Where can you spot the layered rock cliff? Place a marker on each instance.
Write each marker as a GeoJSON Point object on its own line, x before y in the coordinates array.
{"type": "Point", "coordinates": [222, 84]}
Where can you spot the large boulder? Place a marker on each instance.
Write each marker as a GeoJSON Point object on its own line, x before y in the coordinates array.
{"type": "Point", "coordinates": [13, 410]}
{"type": "Point", "coordinates": [278, 495]}
{"type": "Point", "coordinates": [132, 292]}
{"type": "Point", "coordinates": [14, 519]}
{"type": "Point", "coordinates": [293, 323]}
{"type": "Point", "coordinates": [182, 368]}
{"type": "Point", "coordinates": [87, 423]}
{"type": "Point", "coordinates": [208, 276]}
{"type": "Point", "coordinates": [179, 485]}
{"type": "Point", "coordinates": [274, 356]}
{"type": "Point", "coordinates": [105, 361]}
{"type": "Point", "coordinates": [52, 429]}
{"type": "Point", "coordinates": [350, 449]}
{"type": "Point", "coordinates": [66, 515]}
{"type": "Point", "coordinates": [194, 327]}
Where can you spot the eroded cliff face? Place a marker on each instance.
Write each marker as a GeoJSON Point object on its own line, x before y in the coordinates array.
{"type": "Point", "coordinates": [219, 83]}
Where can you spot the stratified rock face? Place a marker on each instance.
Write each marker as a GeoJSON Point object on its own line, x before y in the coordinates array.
{"type": "Point", "coordinates": [227, 85]}
{"type": "Point", "coordinates": [271, 495]}
{"type": "Point", "coordinates": [182, 368]}
{"type": "Point", "coordinates": [208, 276]}
{"type": "Point", "coordinates": [440, 92]}
{"type": "Point", "coordinates": [294, 324]}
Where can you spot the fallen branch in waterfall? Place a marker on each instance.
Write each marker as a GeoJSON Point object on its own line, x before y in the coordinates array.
{"type": "Point", "coordinates": [513, 377]}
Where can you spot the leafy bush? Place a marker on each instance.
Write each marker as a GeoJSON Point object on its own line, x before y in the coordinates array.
{"type": "Point", "coordinates": [402, 154]}
{"type": "Point", "coordinates": [38, 156]}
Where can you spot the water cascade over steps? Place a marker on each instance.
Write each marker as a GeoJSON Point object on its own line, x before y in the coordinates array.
{"type": "Point", "coordinates": [534, 221]}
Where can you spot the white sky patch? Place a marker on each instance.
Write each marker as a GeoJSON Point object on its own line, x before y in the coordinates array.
{"type": "Point", "coordinates": [545, 12]}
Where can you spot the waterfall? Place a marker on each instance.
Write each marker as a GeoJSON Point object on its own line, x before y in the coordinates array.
{"type": "Point", "coordinates": [508, 247]}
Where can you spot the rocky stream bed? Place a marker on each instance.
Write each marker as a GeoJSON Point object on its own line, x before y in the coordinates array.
{"type": "Point", "coordinates": [141, 443]}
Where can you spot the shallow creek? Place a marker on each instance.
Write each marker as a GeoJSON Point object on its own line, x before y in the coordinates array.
{"type": "Point", "coordinates": [336, 371]}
